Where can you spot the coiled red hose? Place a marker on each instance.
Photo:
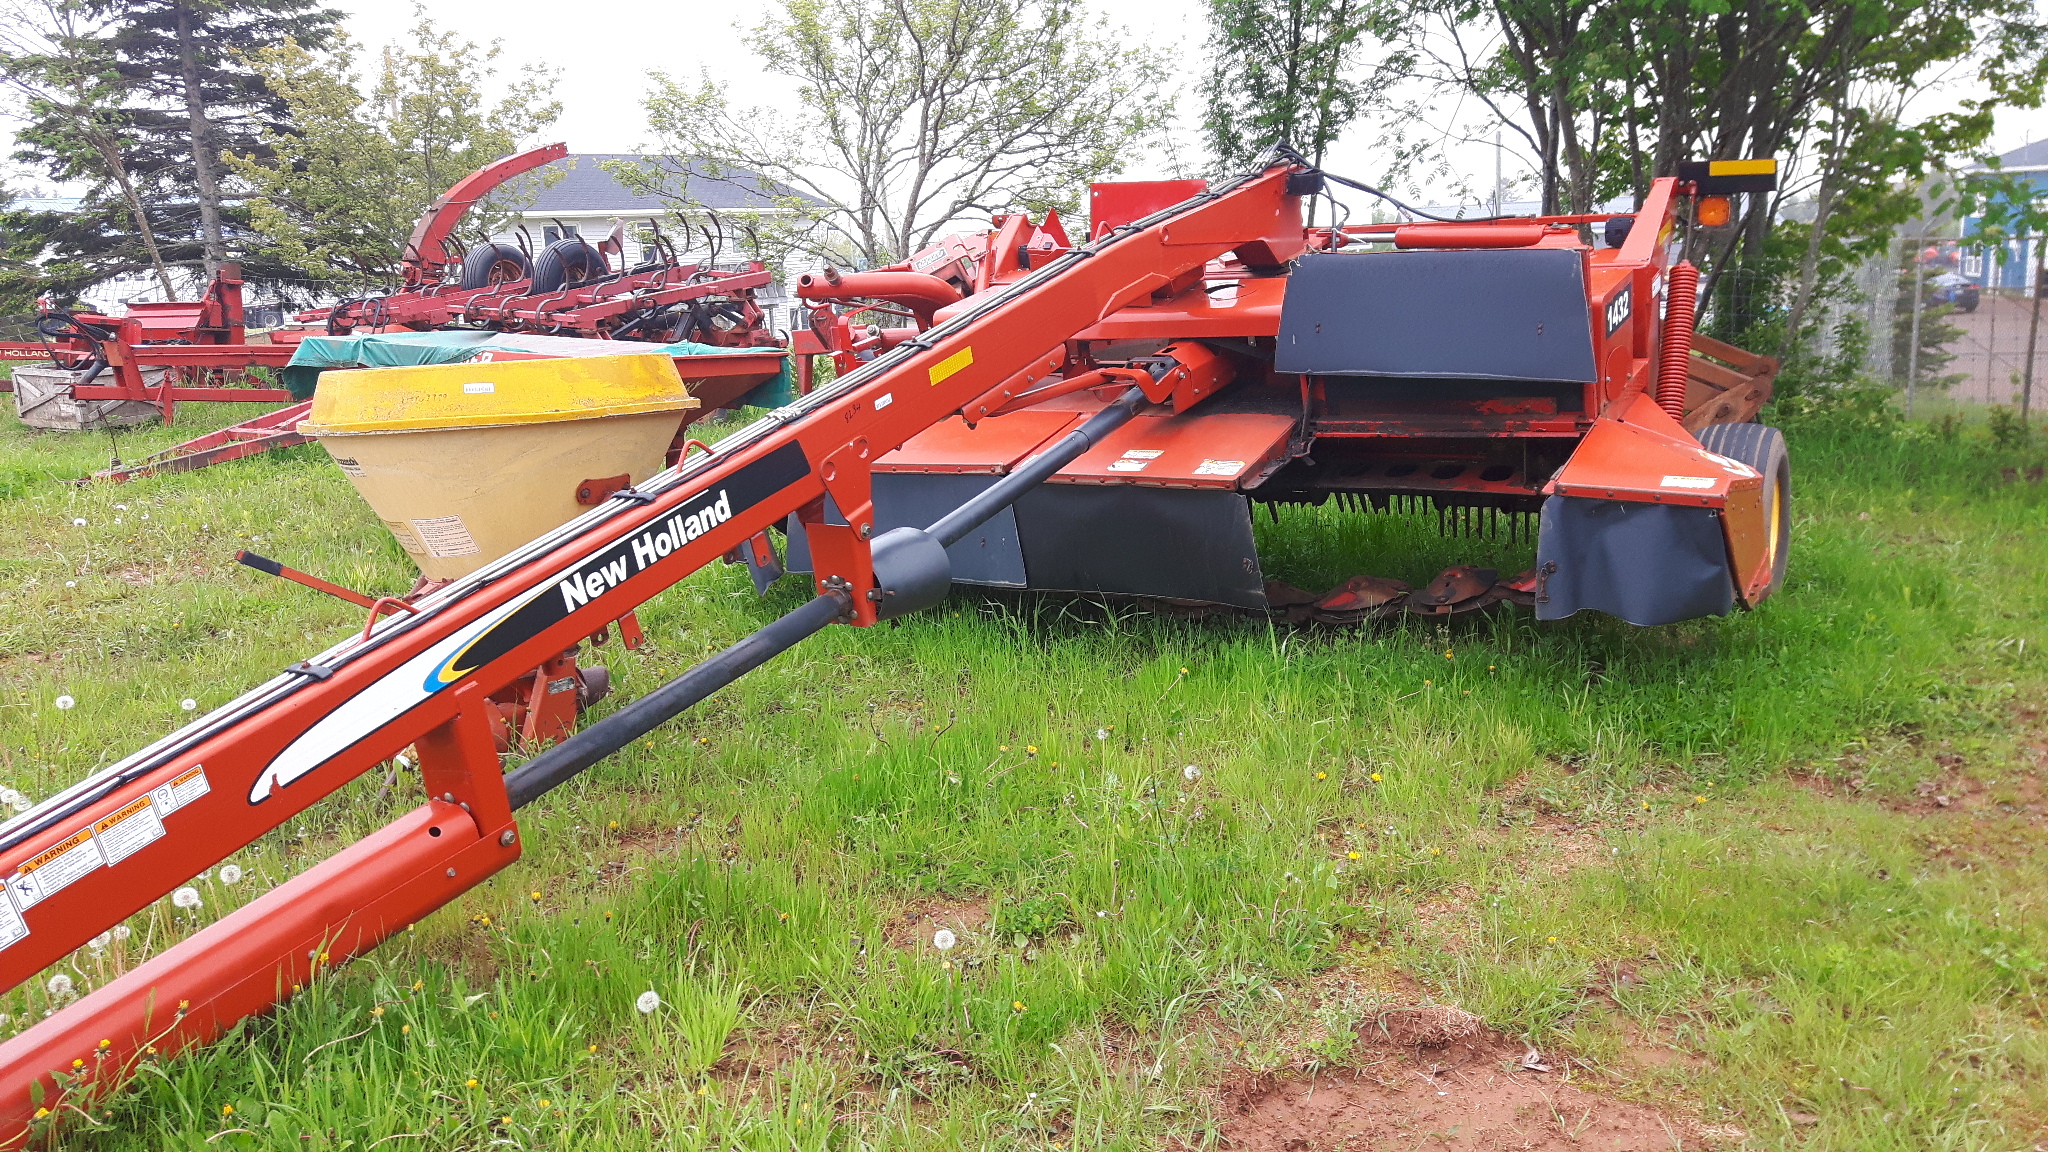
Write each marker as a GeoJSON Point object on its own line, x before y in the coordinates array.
{"type": "Point", "coordinates": [1674, 361]}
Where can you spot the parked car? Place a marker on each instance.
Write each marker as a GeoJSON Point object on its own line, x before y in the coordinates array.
{"type": "Point", "coordinates": [1950, 288]}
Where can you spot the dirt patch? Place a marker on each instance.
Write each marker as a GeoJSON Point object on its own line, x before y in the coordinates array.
{"type": "Point", "coordinates": [1434, 1079]}
{"type": "Point", "coordinates": [914, 927]}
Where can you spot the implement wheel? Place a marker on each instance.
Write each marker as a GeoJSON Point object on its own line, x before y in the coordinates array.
{"type": "Point", "coordinates": [490, 264]}
{"type": "Point", "coordinates": [1762, 448]}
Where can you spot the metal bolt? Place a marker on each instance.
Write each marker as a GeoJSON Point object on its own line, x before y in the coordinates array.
{"type": "Point", "coordinates": [451, 873]}
{"type": "Point", "coordinates": [507, 837]}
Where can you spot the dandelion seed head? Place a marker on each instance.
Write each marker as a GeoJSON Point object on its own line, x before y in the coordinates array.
{"type": "Point", "coordinates": [189, 704]}
{"type": "Point", "coordinates": [231, 874]}
{"type": "Point", "coordinates": [71, 583]}
{"type": "Point", "coordinates": [1102, 733]}
{"type": "Point", "coordinates": [122, 932]}
{"type": "Point", "coordinates": [99, 943]}
{"type": "Point", "coordinates": [186, 897]}
{"type": "Point", "coordinates": [648, 1002]}
{"type": "Point", "coordinates": [1191, 773]}
{"type": "Point", "coordinates": [60, 985]}
{"type": "Point", "coordinates": [944, 939]}
{"type": "Point", "coordinates": [78, 521]}
{"type": "Point", "coordinates": [64, 703]}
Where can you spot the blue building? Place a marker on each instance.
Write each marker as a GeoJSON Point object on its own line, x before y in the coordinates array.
{"type": "Point", "coordinates": [2009, 265]}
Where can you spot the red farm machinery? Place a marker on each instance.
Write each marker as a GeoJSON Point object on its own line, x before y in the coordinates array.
{"type": "Point", "coordinates": [1099, 416]}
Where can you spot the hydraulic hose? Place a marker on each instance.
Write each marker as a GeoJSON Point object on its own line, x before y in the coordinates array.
{"type": "Point", "coordinates": [562, 763]}
{"type": "Point", "coordinates": [1674, 361]}
{"type": "Point", "coordinates": [558, 765]}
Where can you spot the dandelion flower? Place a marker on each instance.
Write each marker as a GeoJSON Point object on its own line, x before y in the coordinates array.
{"type": "Point", "coordinates": [1699, 799]}
{"type": "Point", "coordinates": [1191, 773]}
{"type": "Point", "coordinates": [227, 1109]}
{"type": "Point", "coordinates": [42, 1112]}
{"type": "Point", "coordinates": [60, 985]}
{"type": "Point", "coordinates": [547, 1104]}
{"type": "Point", "coordinates": [186, 897]}
{"type": "Point", "coordinates": [1448, 655]}
{"type": "Point", "coordinates": [1017, 1006]}
{"type": "Point", "coordinates": [648, 1002]}
{"type": "Point", "coordinates": [231, 874]}
{"type": "Point", "coordinates": [1353, 856]}
{"type": "Point", "coordinates": [1375, 777]}
{"type": "Point", "coordinates": [1553, 939]}
{"type": "Point", "coordinates": [189, 704]}
{"type": "Point", "coordinates": [1322, 775]}
{"type": "Point", "coordinates": [1428, 683]}
{"type": "Point", "coordinates": [405, 1029]}
{"type": "Point", "coordinates": [64, 703]}
{"type": "Point", "coordinates": [472, 1083]}
{"type": "Point", "coordinates": [593, 1049]}
{"type": "Point", "coordinates": [944, 939]}
{"type": "Point", "coordinates": [536, 897]}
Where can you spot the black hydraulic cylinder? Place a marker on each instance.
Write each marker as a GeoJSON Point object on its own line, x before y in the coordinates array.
{"type": "Point", "coordinates": [556, 766]}
{"type": "Point", "coordinates": [560, 764]}
{"type": "Point", "coordinates": [955, 525]}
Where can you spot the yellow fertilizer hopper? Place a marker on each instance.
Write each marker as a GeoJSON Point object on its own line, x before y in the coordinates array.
{"type": "Point", "coordinates": [466, 462]}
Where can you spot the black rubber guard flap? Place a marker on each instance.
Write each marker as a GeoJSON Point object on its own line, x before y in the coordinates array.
{"type": "Point", "coordinates": [1646, 563]}
{"type": "Point", "coordinates": [1516, 314]}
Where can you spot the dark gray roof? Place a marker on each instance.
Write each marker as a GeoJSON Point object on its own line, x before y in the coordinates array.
{"type": "Point", "coordinates": [2033, 155]}
{"type": "Point", "coordinates": [585, 186]}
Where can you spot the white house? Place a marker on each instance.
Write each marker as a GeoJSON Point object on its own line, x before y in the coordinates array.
{"type": "Point", "coordinates": [578, 196]}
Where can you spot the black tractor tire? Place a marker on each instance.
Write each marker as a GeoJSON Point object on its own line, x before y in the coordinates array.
{"type": "Point", "coordinates": [492, 263]}
{"type": "Point", "coordinates": [570, 260]}
{"type": "Point", "coordinates": [1762, 448]}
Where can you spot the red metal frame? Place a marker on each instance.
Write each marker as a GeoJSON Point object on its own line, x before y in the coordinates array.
{"type": "Point", "coordinates": [202, 342]}
{"type": "Point", "coordinates": [283, 747]}
{"type": "Point", "coordinates": [438, 679]}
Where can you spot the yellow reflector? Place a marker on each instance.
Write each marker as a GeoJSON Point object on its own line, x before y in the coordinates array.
{"type": "Point", "coordinates": [1741, 167]}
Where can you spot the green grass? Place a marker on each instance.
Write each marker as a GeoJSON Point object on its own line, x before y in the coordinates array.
{"type": "Point", "coordinates": [1501, 813]}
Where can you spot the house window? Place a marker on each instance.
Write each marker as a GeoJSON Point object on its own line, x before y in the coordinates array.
{"type": "Point", "coordinates": [552, 233]}
{"type": "Point", "coordinates": [1973, 265]}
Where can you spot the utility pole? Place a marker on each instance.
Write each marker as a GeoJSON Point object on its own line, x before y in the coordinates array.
{"type": "Point", "coordinates": [1913, 343]}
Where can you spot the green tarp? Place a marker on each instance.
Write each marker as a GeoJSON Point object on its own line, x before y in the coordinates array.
{"type": "Point", "coordinates": [316, 354]}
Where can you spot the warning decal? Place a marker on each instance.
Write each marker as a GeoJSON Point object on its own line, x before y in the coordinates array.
{"type": "Point", "coordinates": [406, 539]}
{"type": "Point", "coordinates": [55, 869]}
{"type": "Point", "coordinates": [135, 827]}
{"type": "Point", "coordinates": [1219, 467]}
{"type": "Point", "coordinates": [13, 929]}
{"type": "Point", "coordinates": [183, 789]}
{"type": "Point", "coordinates": [446, 536]}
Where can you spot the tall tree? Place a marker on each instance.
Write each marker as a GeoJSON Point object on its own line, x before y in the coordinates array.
{"type": "Point", "coordinates": [338, 192]}
{"type": "Point", "coordinates": [60, 61]}
{"type": "Point", "coordinates": [916, 114]}
{"type": "Point", "coordinates": [187, 64]}
{"type": "Point", "coordinates": [1287, 71]}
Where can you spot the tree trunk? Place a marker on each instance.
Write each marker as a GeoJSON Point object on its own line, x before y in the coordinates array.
{"type": "Point", "coordinates": [1809, 267]}
{"type": "Point", "coordinates": [110, 155]}
{"type": "Point", "coordinates": [211, 246]}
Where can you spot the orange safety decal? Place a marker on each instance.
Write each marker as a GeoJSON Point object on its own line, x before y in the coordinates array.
{"type": "Point", "coordinates": [945, 369]}
{"type": "Point", "coordinates": [131, 829]}
{"type": "Point", "coordinates": [55, 868]}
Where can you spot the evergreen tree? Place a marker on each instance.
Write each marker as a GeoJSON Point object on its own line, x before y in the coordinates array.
{"type": "Point", "coordinates": [194, 94]}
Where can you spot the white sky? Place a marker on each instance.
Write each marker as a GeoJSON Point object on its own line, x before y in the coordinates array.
{"type": "Point", "coordinates": [605, 48]}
